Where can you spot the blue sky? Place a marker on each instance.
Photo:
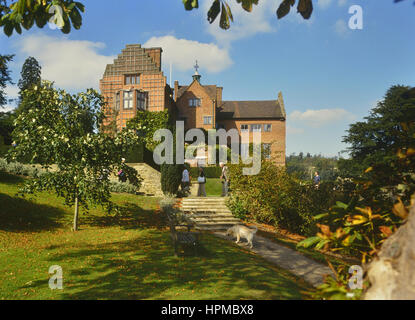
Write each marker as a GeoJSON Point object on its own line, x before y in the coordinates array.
{"type": "Point", "coordinates": [330, 75]}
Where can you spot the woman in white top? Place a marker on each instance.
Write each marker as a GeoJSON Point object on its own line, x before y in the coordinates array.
{"type": "Point", "coordinates": [201, 192]}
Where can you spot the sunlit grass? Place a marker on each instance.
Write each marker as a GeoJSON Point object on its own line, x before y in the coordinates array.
{"type": "Point", "coordinates": [125, 257]}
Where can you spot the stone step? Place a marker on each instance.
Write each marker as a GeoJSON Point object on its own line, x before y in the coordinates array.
{"type": "Point", "coordinates": [204, 208]}
{"type": "Point", "coordinates": [214, 227]}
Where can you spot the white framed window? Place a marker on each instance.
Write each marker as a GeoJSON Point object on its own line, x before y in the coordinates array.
{"type": "Point", "coordinates": [195, 102]}
{"type": "Point", "coordinates": [207, 120]}
{"type": "Point", "coordinates": [128, 100]}
{"type": "Point", "coordinates": [141, 102]}
{"type": "Point", "coordinates": [267, 127]}
{"type": "Point", "coordinates": [244, 128]}
{"type": "Point", "coordinates": [256, 128]}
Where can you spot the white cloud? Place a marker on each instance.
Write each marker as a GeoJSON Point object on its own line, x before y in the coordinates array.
{"type": "Point", "coordinates": [182, 54]}
{"type": "Point", "coordinates": [294, 130]}
{"type": "Point", "coordinates": [324, 3]}
{"type": "Point", "coordinates": [341, 27]}
{"type": "Point", "coordinates": [71, 64]}
{"type": "Point", "coordinates": [322, 117]}
{"type": "Point", "coordinates": [246, 24]}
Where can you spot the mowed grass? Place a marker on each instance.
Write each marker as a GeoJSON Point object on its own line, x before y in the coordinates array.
{"type": "Point", "coordinates": [213, 187]}
{"type": "Point", "coordinates": [126, 257]}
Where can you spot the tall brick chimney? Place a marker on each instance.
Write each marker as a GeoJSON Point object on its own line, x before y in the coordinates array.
{"type": "Point", "coordinates": [176, 89]}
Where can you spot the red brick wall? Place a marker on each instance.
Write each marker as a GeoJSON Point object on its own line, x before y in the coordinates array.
{"type": "Point", "coordinates": [277, 136]}
{"type": "Point", "coordinates": [194, 115]}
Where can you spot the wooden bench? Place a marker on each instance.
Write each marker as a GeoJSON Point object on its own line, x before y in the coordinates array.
{"type": "Point", "coordinates": [184, 238]}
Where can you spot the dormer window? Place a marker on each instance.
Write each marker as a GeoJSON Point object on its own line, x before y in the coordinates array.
{"type": "Point", "coordinates": [195, 102]}
{"type": "Point", "coordinates": [132, 79]}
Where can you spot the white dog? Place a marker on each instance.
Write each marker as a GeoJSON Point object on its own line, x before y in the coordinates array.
{"type": "Point", "coordinates": [240, 231]}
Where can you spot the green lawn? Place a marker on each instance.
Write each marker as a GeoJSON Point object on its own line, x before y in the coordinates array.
{"type": "Point", "coordinates": [128, 257]}
{"type": "Point", "coordinates": [213, 187]}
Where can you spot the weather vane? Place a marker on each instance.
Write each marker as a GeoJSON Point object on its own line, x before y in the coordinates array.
{"type": "Point", "coordinates": [196, 66]}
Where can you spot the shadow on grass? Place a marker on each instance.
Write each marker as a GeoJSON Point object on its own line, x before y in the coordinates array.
{"type": "Point", "coordinates": [22, 215]}
{"type": "Point", "coordinates": [145, 268]}
{"type": "Point", "coordinates": [9, 179]}
{"type": "Point", "coordinates": [132, 217]}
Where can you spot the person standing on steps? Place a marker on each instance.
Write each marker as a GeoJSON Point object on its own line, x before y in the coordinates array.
{"type": "Point", "coordinates": [225, 179]}
{"type": "Point", "coordinates": [201, 191]}
{"type": "Point", "coordinates": [185, 180]}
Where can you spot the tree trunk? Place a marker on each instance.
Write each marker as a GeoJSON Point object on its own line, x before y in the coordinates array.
{"type": "Point", "coordinates": [76, 214]}
{"type": "Point", "coordinates": [392, 275]}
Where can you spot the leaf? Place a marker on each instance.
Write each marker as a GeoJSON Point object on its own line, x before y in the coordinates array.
{"type": "Point", "coordinates": [325, 229]}
{"type": "Point", "coordinates": [357, 219]}
{"type": "Point", "coordinates": [305, 8]}
{"type": "Point", "coordinates": [320, 216]}
{"type": "Point", "coordinates": [386, 231]}
{"type": "Point", "coordinates": [306, 243]}
{"type": "Point", "coordinates": [224, 19]}
{"type": "Point", "coordinates": [284, 8]}
{"type": "Point", "coordinates": [366, 211]}
{"type": "Point", "coordinates": [400, 210]}
{"type": "Point", "coordinates": [341, 205]}
{"type": "Point", "coordinates": [214, 11]}
{"type": "Point", "coordinates": [247, 4]}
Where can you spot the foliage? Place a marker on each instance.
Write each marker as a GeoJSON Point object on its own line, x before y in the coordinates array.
{"type": "Point", "coordinates": [210, 172]}
{"type": "Point", "coordinates": [4, 76]}
{"type": "Point", "coordinates": [30, 76]}
{"type": "Point", "coordinates": [60, 129]}
{"type": "Point", "coordinates": [305, 166]}
{"type": "Point", "coordinates": [146, 123]}
{"type": "Point", "coordinates": [277, 198]}
{"type": "Point", "coordinates": [6, 126]}
{"type": "Point", "coordinates": [20, 169]}
{"type": "Point", "coordinates": [379, 202]}
{"type": "Point", "coordinates": [237, 206]}
{"type": "Point", "coordinates": [376, 142]}
{"type": "Point", "coordinates": [171, 176]}
{"type": "Point", "coordinates": [305, 8]}
{"type": "Point", "coordinates": [119, 187]}
{"type": "Point", "coordinates": [23, 13]}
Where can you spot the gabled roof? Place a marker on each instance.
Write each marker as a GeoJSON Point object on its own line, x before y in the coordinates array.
{"type": "Point", "coordinates": [133, 59]}
{"type": "Point", "coordinates": [268, 109]}
{"type": "Point", "coordinates": [210, 90]}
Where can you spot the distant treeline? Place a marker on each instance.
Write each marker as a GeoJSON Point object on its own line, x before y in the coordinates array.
{"type": "Point", "coordinates": [303, 166]}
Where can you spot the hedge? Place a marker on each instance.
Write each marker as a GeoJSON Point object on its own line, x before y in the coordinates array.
{"type": "Point", "coordinates": [210, 172]}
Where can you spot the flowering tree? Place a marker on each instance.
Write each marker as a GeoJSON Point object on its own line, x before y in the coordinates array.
{"type": "Point", "coordinates": [63, 130]}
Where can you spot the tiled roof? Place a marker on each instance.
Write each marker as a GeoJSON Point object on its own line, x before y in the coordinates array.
{"type": "Point", "coordinates": [250, 110]}
{"type": "Point", "coordinates": [210, 89]}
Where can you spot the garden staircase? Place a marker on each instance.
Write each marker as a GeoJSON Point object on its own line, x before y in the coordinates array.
{"type": "Point", "coordinates": [208, 214]}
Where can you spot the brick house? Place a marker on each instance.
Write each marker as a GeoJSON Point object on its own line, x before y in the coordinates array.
{"type": "Point", "coordinates": [135, 81]}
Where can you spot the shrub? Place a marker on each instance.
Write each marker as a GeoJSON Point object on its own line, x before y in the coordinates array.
{"type": "Point", "coordinates": [210, 172]}
{"type": "Point", "coordinates": [277, 198]}
{"type": "Point", "coordinates": [171, 176]}
{"type": "Point", "coordinates": [122, 187]}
